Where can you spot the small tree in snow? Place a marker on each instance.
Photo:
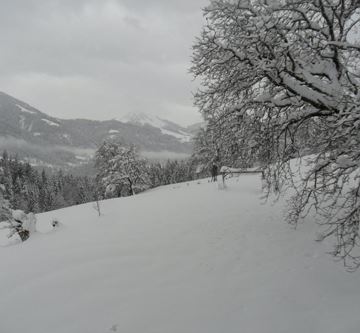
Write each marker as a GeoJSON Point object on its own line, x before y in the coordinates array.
{"type": "Point", "coordinates": [289, 70]}
{"type": "Point", "coordinates": [119, 164]}
{"type": "Point", "coordinates": [16, 221]}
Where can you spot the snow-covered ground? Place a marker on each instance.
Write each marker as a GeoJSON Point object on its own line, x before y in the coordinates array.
{"type": "Point", "coordinates": [185, 258]}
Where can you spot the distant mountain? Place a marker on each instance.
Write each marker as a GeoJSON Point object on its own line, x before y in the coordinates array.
{"type": "Point", "coordinates": [165, 126]}
{"type": "Point", "coordinates": [45, 140]}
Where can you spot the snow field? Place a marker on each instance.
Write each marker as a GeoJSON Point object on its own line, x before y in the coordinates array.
{"type": "Point", "coordinates": [184, 258]}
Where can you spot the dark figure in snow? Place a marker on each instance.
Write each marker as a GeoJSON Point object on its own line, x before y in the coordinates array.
{"type": "Point", "coordinates": [23, 233]}
{"type": "Point", "coordinates": [214, 172]}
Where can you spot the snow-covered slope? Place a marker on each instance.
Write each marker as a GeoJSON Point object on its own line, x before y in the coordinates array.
{"type": "Point", "coordinates": [186, 258]}
{"type": "Point", "coordinates": [165, 126]}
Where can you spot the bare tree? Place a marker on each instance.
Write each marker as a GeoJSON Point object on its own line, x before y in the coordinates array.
{"type": "Point", "coordinates": [96, 204]}
{"type": "Point", "coordinates": [284, 67]}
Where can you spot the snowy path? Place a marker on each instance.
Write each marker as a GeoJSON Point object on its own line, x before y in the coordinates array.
{"type": "Point", "coordinates": [178, 259]}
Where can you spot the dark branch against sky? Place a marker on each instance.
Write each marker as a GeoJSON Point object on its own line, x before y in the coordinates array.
{"type": "Point", "coordinates": [101, 59]}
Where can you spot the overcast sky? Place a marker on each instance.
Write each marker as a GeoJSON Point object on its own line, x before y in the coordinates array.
{"type": "Point", "coordinates": [101, 59]}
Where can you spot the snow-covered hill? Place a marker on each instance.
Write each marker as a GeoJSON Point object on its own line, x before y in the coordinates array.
{"type": "Point", "coordinates": [185, 258]}
{"type": "Point", "coordinates": [165, 126]}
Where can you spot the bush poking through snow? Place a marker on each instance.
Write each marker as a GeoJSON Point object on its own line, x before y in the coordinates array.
{"type": "Point", "coordinates": [55, 223]}
{"type": "Point", "coordinates": [15, 220]}
{"type": "Point", "coordinates": [20, 223]}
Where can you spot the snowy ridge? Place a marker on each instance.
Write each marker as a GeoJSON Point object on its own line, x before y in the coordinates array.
{"type": "Point", "coordinates": [181, 258]}
{"type": "Point", "coordinates": [165, 126]}
{"type": "Point", "coordinates": [112, 131]}
{"type": "Point", "coordinates": [49, 122]}
{"type": "Point", "coordinates": [23, 109]}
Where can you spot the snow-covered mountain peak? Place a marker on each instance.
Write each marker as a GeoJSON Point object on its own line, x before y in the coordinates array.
{"type": "Point", "coordinates": [142, 118]}
{"type": "Point", "coordinates": [166, 127]}
{"type": "Point", "coordinates": [36, 136]}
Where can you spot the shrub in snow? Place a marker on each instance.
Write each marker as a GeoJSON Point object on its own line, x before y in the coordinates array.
{"type": "Point", "coordinates": [97, 207]}
{"type": "Point", "coordinates": [15, 220]}
{"type": "Point", "coordinates": [20, 224]}
{"type": "Point", "coordinates": [55, 223]}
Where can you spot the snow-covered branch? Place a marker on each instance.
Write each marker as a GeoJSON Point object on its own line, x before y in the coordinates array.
{"type": "Point", "coordinates": [281, 79]}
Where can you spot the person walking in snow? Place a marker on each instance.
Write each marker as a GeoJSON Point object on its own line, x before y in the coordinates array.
{"type": "Point", "coordinates": [214, 172]}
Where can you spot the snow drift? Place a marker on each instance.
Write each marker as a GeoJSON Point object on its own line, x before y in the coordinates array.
{"type": "Point", "coordinates": [182, 258]}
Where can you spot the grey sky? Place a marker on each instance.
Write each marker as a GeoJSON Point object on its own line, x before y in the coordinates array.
{"type": "Point", "coordinates": [100, 59]}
